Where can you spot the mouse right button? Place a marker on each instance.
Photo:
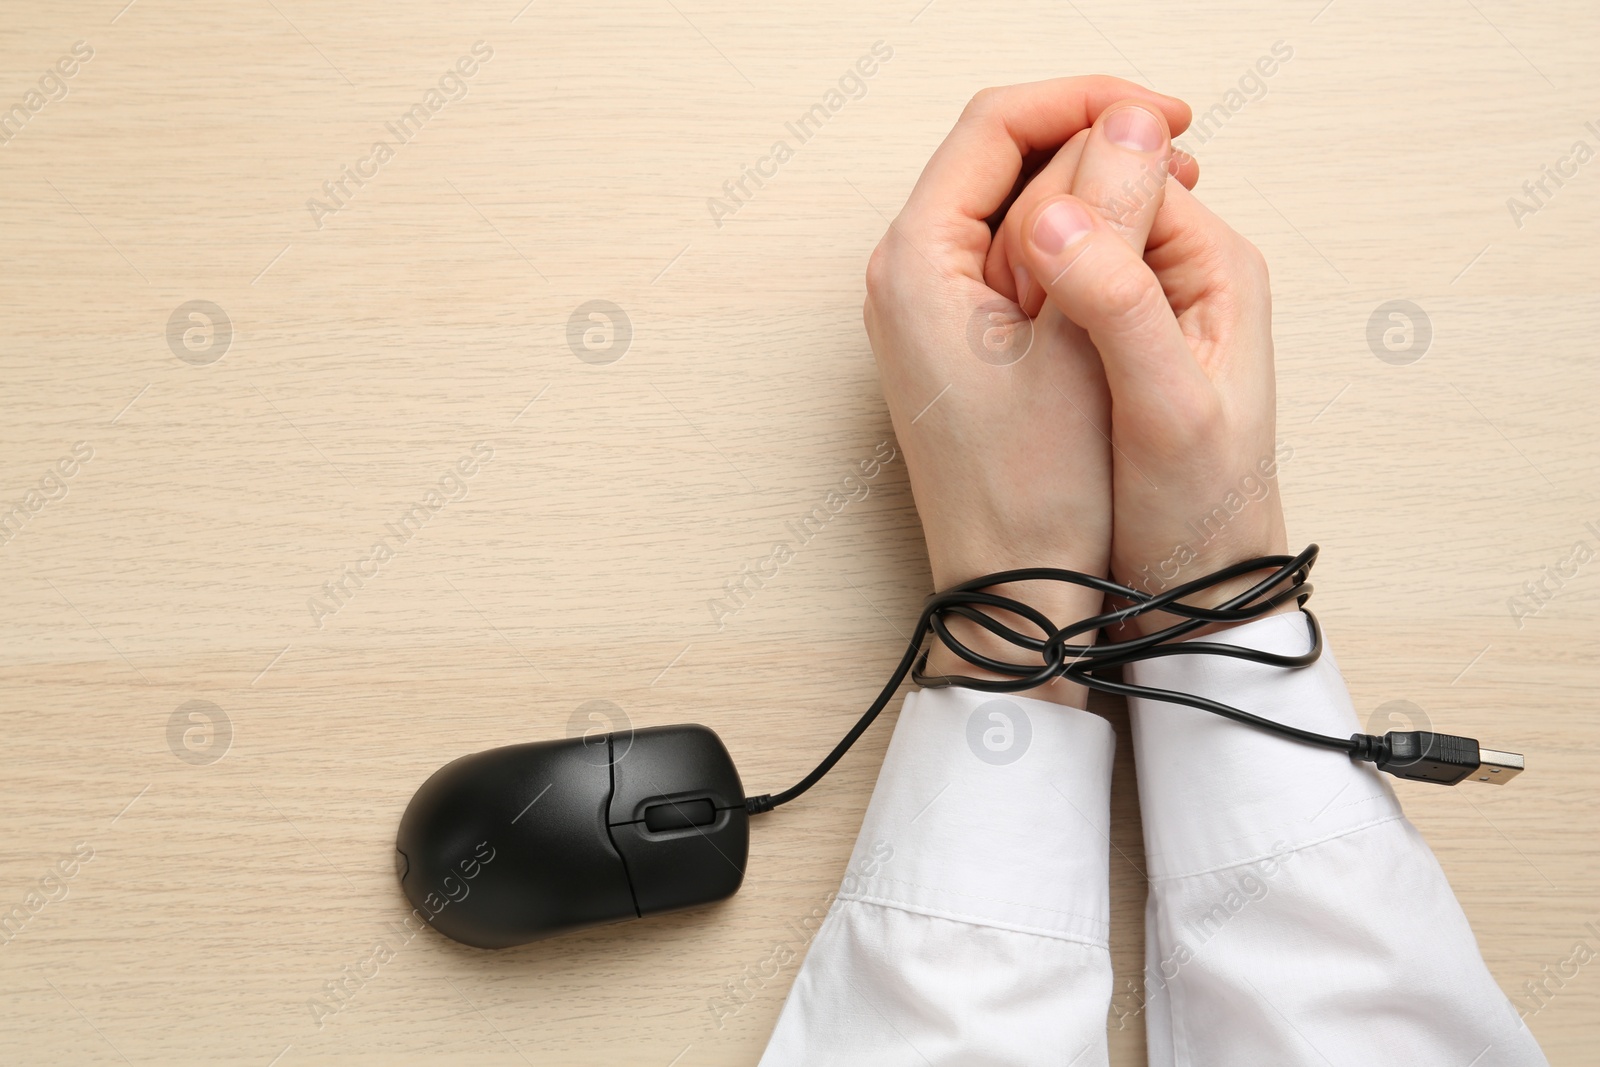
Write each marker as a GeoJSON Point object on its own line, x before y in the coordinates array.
{"type": "Point", "coordinates": [683, 866]}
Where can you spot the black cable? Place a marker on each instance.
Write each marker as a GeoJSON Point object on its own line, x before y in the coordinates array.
{"type": "Point", "coordinates": [1412, 754]}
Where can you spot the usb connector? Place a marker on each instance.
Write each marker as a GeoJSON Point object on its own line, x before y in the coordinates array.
{"type": "Point", "coordinates": [1497, 768]}
{"type": "Point", "coordinates": [1444, 759]}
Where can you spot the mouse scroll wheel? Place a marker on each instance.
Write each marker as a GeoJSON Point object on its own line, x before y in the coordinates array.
{"type": "Point", "coordinates": [679, 815]}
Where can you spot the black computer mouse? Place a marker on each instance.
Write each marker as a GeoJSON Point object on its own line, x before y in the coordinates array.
{"type": "Point", "coordinates": [515, 844]}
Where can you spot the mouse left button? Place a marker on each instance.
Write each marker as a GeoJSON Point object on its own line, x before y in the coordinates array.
{"type": "Point", "coordinates": [669, 762]}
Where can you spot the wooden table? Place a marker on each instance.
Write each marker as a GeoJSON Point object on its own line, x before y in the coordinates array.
{"type": "Point", "coordinates": [257, 340]}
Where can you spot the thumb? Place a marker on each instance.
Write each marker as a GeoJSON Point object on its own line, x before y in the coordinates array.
{"type": "Point", "coordinates": [1101, 282]}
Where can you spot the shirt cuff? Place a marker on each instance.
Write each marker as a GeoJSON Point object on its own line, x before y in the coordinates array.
{"type": "Point", "coordinates": [1216, 793]}
{"type": "Point", "coordinates": [991, 809]}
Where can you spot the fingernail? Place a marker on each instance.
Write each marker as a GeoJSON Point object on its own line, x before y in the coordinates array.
{"type": "Point", "coordinates": [1059, 225]}
{"type": "Point", "coordinates": [1024, 280]}
{"type": "Point", "coordinates": [1135, 128]}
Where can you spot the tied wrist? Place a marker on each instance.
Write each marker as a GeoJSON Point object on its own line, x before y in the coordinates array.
{"type": "Point", "coordinates": [1151, 621]}
{"type": "Point", "coordinates": [1061, 607]}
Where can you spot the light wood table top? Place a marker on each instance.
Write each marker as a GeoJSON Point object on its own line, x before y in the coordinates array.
{"type": "Point", "coordinates": [219, 394]}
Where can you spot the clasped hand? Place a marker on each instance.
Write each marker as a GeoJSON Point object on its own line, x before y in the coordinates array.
{"type": "Point", "coordinates": [1090, 384]}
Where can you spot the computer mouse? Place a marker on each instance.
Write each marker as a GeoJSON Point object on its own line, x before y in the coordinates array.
{"type": "Point", "coordinates": [519, 843]}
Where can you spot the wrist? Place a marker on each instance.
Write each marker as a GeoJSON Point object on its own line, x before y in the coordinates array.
{"type": "Point", "coordinates": [1193, 560]}
{"type": "Point", "coordinates": [1215, 596]}
{"type": "Point", "coordinates": [1062, 604]}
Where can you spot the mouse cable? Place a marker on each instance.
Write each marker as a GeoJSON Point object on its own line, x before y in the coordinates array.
{"type": "Point", "coordinates": [1419, 755]}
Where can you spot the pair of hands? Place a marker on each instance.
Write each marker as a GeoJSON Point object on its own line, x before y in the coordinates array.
{"type": "Point", "coordinates": [1091, 385]}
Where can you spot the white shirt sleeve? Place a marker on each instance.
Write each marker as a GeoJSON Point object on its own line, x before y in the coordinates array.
{"type": "Point", "coordinates": [1295, 916]}
{"type": "Point", "coordinates": [971, 928]}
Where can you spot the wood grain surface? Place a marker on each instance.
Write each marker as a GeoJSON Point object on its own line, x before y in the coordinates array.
{"type": "Point", "coordinates": [211, 729]}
